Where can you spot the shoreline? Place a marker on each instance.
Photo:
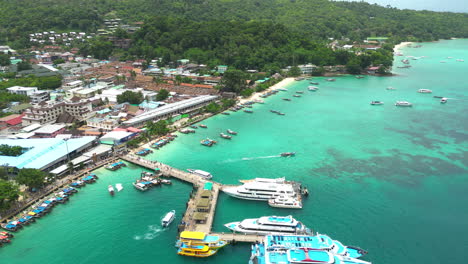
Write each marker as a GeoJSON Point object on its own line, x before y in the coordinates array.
{"type": "Point", "coordinates": [256, 96]}
{"type": "Point", "coordinates": [401, 45]}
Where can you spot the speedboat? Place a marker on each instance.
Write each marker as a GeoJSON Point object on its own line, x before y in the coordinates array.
{"type": "Point", "coordinates": [312, 88]}
{"type": "Point", "coordinates": [288, 154]}
{"type": "Point", "coordinates": [261, 190]}
{"type": "Point", "coordinates": [203, 126]}
{"type": "Point", "coordinates": [424, 91]}
{"type": "Point", "coordinates": [443, 100]}
{"type": "Point", "coordinates": [377, 103]}
{"type": "Point", "coordinates": [205, 175]}
{"type": "Point", "coordinates": [110, 188]}
{"type": "Point", "coordinates": [460, 60]}
{"type": "Point", "coordinates": [296, 95]}
{"type": "Point", "coordinates": [225, 136]}
{"type": "Point", "coordinates": [168, 218]}
{"type": "Point", "coordinates": [279, 113]}
{"type": "Point", "coordinates": [391, 88]}
{"type": "Point", "coordinates": [266, 225]}
{"type": "Point", "coordinates": [285, 202]}
{"type": "Point", "coordinates": [403, 103]}
{"type": "Point", "coordinates": [330, 80]}
{"type": "Point", "coordinates": [232, 132]}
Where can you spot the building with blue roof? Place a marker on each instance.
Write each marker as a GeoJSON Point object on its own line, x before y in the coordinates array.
{"type": "Point", "coordinates": [45, 153]}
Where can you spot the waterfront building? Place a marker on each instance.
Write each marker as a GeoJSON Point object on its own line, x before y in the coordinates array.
{"type": "Point", "coordinates": [169, 110]}
{"type": "Point", "coordinates": [307, 68]}
{"type": "Point", "coordinates": [45, 153]}
{"type": "Point", "coordinates": [49, 131]}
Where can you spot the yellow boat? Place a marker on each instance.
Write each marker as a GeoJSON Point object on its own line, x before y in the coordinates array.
{"type": "Point", "coordinates": [196, 251]}
{"type": "Point", "coordinates": [202, 239]}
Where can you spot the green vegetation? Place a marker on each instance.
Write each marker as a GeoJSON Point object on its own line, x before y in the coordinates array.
{"type": "Point", "coordinates": [13, 151]}
{"type": "Point", "coordinates": [9, 192]}
{"type": "Point", "coordinates": [4, 60]}
{"type": "Point", "coordinates": [32, 178]}
{"type": "Point", "coordinates": [23, 66]}
{"type": "Point", "coordinates": [162, 95]}
{"type": "Point", "coordinates": [6, 97]}
{"type": "Point", "coordinates": [49, 82]}
{"type": "Point", "coordinates": [58, 61]}
{"type": "Point", "coordinates": [213, 108]}
{"type": "Point", "coordinates": [130, 97]}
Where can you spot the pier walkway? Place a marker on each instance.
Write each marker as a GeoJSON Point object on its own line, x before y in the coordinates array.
{"type": "Point", "coordinates": [198, 215]}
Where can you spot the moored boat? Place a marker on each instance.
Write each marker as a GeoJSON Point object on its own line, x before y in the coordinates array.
{"type": "Point", "coordinates": [330, 80]}
{"type": "Point", "coordinates": [261, 189]}
{"type": "Point", "coordinates": [207, 142]}
{"type": "Point", "coordinates": [165, 181]}
{"type": "Point", "coordinates": [143, 185]}
{"type": "Point", "coordinates": [403, 103]}
{"type": "Point", "coordinates": [203, 126]}
{"type": "Point", "coordinates": [225, 113]}
{"type": "Point", "coordinates": [286, 99]}
{"type": "Point", "coordinates": [204, 174]}
{"type": "Point", "coordinates": [168, 218]}
{"type": "Point", "coordinates": [314, 83]}
{"type": "Point", "coordinates": [312, 88]}
{"type": "Point", "coordinates": [267, 225]}
{"type": "Point", "coordinates": [359, 77]}
{"type": "Point", "coordinates": [296, 95]}
{"type": "Point", "coordinates": [186, 131]}
{"type": "Point", "coordinates": [232, 132]}
{"type": "Point", "coordinates": [424, 91]}
{"type": "Point", "coordinates": [110, 188]}
{"type": "Point", "coordinates": [193, 126]}
{"type": "Point", "coordinates": [248, 111]}
{"type": "Point", "coordinates": [391, 88]}
{"type": "Point", "coordinates": [377, 103]}
{"type": "Point", "coordinates": [285, 202]}
{"type": "Point", "coordinates": [225, 136]}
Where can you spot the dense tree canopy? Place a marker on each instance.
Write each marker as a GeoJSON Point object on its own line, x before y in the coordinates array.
{"type": "Point", "coordinates": [9, 192]}
{"type": "Point", "coordinates": [162, 95]}
{"type": "Point", "coordinates": [32, 178]}
{"type": "Point", "coordinates": [130, 97]}
{"type": "Point", "coordinates": [47, 82]}
{"type": "Point", "coordinates": [6, 150]}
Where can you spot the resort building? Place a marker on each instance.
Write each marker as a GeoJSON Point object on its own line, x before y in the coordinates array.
{"type": "Point", "coordinates": [49, 112]}
{"type": "Point", "coordinates": [45, 153]}
{"type": "Point", "coordinates": [28, 91]}
{"type": "Point", "coordinates": [169, 110]}
{"type": "Point", "coordinates": [307, 68]}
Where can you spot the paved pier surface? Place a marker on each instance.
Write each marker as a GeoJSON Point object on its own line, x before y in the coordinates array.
{"type": "Point", "coordinates": [189, 223]}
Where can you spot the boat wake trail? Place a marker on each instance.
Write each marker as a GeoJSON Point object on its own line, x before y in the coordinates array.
{"type": "Point", "coordinates": [251, 158]}
{"type": "Point", "coordinates": [264, 157]}
{"type": "Point", "coordinates": [153, 232]}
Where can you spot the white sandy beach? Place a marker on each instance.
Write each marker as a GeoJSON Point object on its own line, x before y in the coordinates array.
{"type": "Point", "coordinates": [256, 96]}
{"type": "Point", "coordinates": [398, 47]}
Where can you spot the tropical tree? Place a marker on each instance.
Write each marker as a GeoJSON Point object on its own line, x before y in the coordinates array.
{"type": "Point", "coordinates": [162, 95]}
{"type": "Point", "coordinates": [9, 192]}
{"type": "Point", "coordinates": [32, 178]}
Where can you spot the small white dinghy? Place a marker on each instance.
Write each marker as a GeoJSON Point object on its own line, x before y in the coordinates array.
{"type": "Point", "coordinates": [119, 187]}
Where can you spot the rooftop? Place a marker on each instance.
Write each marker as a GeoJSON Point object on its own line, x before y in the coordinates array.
{"type": "Point", "coordinates": [42, 151]}
{"type": "Point", "coordinates": [49, 129]}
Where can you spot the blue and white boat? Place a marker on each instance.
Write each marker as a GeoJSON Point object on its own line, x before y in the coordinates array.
{"type": "Point", "coordinates": [304, 249]}
{"type": "Point", "coordinates": [267, 225]}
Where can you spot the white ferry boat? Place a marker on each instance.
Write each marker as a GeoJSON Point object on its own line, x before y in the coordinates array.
{"type": "Point", "coordinates": [266, 225]}
{"type": "Point", "coordinates": [203, 174]}
{"type": "Point", "coordinates": [261, 190]}
{"type": "Point", "coordinates": [285, 202]}
{"type": "Point", "coordinates": [168, 218]}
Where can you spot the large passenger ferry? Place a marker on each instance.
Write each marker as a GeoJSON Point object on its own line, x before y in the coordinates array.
{"type": "Point", "coordinates": [261, 189]}
{"type": "Point", "coordinates": [304, 249]}
{"type": "Point", "coordinates": [267, 225]}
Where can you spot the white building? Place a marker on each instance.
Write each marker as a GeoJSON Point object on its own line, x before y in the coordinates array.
{"type": "Point", "coordinates": [49, 112]}
{"type": "Point", "coordinates": [170, 110]}
{"type": "Point", "coordinates": [71, 85]}
{"type": "Point", "coordinates": [40, 96]}
{"type": "Point", "coordinates": [307, 68]}
{"type": "Point", "coordinates": [106, 124]}
{"type": "Point", "coordinates": [28, 91]}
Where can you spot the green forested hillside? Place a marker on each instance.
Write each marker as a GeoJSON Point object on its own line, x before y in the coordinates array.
{"type": "Point", "coordinates": [317, 19]}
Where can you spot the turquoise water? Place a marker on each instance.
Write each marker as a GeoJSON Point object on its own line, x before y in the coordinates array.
{"type": "Point", "coordinates": [390, 180]}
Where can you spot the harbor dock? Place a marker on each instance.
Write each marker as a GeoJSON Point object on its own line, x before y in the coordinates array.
{"type": "Point", "coordinates": [201, 206]}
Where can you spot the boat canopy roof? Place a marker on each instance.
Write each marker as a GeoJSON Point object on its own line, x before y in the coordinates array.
{"type": "Point", "coordinates": [192, 235]}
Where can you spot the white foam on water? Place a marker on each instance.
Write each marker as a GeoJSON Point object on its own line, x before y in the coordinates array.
{"type": "Point", "coordinates": [153, 232]}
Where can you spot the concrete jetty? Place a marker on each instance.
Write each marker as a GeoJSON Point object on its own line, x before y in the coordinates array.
{"type": "Point", "coordinates": [201, 206]}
